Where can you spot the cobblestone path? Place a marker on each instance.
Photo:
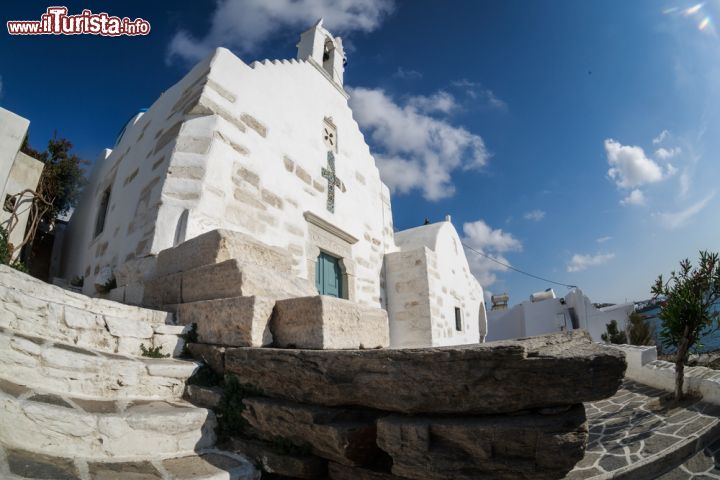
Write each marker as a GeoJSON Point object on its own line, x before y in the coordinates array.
{"type": "Point", "coordinates": [634, 431]}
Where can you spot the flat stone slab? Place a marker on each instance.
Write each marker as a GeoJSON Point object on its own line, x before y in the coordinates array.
{"type": "Point", "coordinates": [633, 435]}
{"type": "Point", "coordinates": [342, 435]}
{"type": "Point", "coordinates": [32, 465]}
{"type": "Point", "coordinates": [235, 322]}
{"type": "Point", "coordinates": [295, 466]}
{"type": "Point", "coordinates": [217, 246]}
{"type": "Point", "coordinates": [231, 278]}
{"type": "Point", "coordinates": [496, 377]}
{"type": "Point", "coordinates": [212, 355]}
{"type": "Point", "coordinates": [322, 322]}
{"type": "Point", "coordinates": [499, 447]}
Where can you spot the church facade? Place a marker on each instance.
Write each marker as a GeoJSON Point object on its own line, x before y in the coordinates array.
{"type": "Point", "coordinates": [271, 150]}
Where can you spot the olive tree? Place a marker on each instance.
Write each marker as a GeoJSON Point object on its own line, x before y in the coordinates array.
{"type": "Point", "coordinates": [688, 312]}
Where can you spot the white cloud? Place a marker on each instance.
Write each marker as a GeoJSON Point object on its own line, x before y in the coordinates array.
{"type": "Point", "coordinates": [629, 166]}
{"type": "Point", "coordinates": [661, 136]}
{"type": "Point", "coordinates": [604, 239]}
{"type": "Point", "coordinates": [417, 150]}
{"type": "Point", "coordinates": [580, 262]}
{"type": "Point", "coordinates": [636, 197]}
{"type": "Point", "coordinates": [440, 102]}
{"type": "Point", "coordinates": [475, 90]}
{"type": "Point", "coordinates": [494, 242]}
{"type": "Point", "coordinates": [665, 154]}
{"type": "Point", "coordinates": [245, 24]}
{"type": "Point", "coordinates": [407, 74]}
{"type": "Point", "coordinates": [534, 215]}
{"type": "Point", "coordinates": [673, 220]}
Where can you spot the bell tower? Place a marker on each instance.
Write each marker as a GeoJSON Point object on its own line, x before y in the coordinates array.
{"type": "Point", "coordinates": [318, 46]}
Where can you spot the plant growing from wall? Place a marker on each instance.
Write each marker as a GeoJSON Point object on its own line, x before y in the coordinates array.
{"type": "Point", "coordinates": [640, 332]}
{"type": "Point", "coordinates": [6, 252]}
{"type": "Point", "coordinates": [153, 352]}
{"type": "Point", "coordinates": [613, 334]}
{"type": "Point", "coordinates": [691, 295]}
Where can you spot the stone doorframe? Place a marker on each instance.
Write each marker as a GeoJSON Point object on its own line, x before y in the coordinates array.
{"type": "Point", "coordinates": [326, 237]}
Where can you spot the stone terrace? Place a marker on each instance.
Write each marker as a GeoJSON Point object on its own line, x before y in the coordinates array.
{"type": "Point", "coordinates": [632, 436]}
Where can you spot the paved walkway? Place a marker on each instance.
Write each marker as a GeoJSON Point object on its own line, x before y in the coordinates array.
{"type": "Point", "coordinates": [633, 436]}
{"type": "Point", "coordinates": [703, 465]}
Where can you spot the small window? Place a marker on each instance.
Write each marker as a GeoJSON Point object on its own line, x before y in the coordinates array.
{"type": "Point", "coordinates": [458, 319]}
{"type": "Point", "coordinates": [9, 203]}
{"type": "Point", "coordinates": [102, 212]}
{"type": "Point", "coordinates": [330, 135]}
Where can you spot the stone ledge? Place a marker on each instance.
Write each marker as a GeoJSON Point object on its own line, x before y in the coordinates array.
{"type": "Point", "coordinates": [497, 377]}
{"type": "Point", "coordinates": [217, 246]}
{"type": "Point", "coordinates": [342, 435]}
{"type": "Point", "coordinates": [227, 279]}
{"type": "Point", "coordinates": [499, 447]}
{"type": "Point", "coordinates": [322, 322]}
{"type": "Point", "coordinates": [235, 322]}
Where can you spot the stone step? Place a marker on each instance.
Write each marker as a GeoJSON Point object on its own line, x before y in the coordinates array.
{"type": "Point", "coordinates": [322, 322]}
{"type": "Point", "coordinates": [227, 279]}
{"type": "Point", "coordinates": [217, 246]}
{"type": "Point", "coordinates": [205, 397]}
{"type": "Point", "coordinates": [236, 322]}
{"type": "Point", "coordinates": [39, 309]}
{"type": "Point", "coordinates": [208, 464]}
{"type": "Point", "coordinates": [496, 377]}
{"type": "Point", "coordinates": [38, 421]}
{"type": "Point", "coordinates": [59, 367]}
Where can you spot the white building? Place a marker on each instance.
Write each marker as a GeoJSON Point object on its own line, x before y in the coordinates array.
{"type": "Point", "coordinates": [544, 313]}
{"type": "Point", "coordinates": [18, 172]}
{"type": "Point", "coordinates": [271, 149]}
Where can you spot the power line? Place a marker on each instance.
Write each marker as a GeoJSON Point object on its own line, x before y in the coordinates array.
{"type": "Point", "coordinates": [517, 269]}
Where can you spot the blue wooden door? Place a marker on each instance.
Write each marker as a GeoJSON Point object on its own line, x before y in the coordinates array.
{"type": "Point", "coordinates": [328, 277]}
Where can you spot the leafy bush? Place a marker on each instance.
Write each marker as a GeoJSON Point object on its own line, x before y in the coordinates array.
{"type": "Point", "coordinates": [640, 332]}
{"type": "Point", "coordinates": [613, 335]}
{"type": "Point", "coordinates": [6, 253]}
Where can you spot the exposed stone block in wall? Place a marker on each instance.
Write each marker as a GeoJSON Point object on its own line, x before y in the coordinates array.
{"type": "Point", "coordinates": [320, 187]}
{"type": "Point", "coordinates": [302, 174]}
{"type": "Point", "coordinates": [255, 124]}
{"type": "Point", "coordinates": [189, 172]}
{"type": "Point", "coordinates": [205, 106]}
{"type": "Point", "coordinates": [337, 471]}
{"type": "Point", "coordinates": [307, 467]}
{"type": "Point", "coordinates": [289, 164]}
{"type": "Point", "coordinates": [166, 137]}
{"type": "Point", "coordinates": [235, 146]}
{"type": "Point", "coordinates": [188, 144]}
{"type": "Point", "coordinates": [246, 198]}
{"type": "Point", "coordinates": [294, 230]}
{"type": "Point", "coordinates": [249, 176]}
{"type": "Point", "coordinates": [360, 177]}
{"type": "Point", "coordinates": [272, 199]}
{"type": "Point", "coordinates": [222, 91]}
{"type": "Point", "coordinates": [131, 177]}
{"type": "Point", "coordinates": [212, 355]}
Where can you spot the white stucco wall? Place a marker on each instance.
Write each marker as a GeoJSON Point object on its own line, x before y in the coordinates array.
{"type": "Point", "coordinates": [24, 174]}
{"type": "Point", "coordinates": [13, 129]}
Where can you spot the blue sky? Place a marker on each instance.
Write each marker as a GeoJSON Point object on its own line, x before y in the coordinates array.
{"type": "Point", "coordinates": [574, 140]}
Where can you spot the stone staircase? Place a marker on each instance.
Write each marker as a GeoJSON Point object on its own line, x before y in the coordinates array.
{"type": "Point", "coordinates": [79, 401]}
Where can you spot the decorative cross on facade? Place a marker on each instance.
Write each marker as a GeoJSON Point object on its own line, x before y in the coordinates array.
{"type": "Point", "coordinates": [333, 181]}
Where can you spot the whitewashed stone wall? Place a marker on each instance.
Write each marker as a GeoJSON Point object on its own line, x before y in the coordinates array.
{"type": "Point", "coordinates": [237, 147]}
{"type": "Point", "coordinates": [427, 279]}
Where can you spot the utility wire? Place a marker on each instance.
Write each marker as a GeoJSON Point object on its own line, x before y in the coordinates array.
{"type": "Point", "coordinates": [517, 269]}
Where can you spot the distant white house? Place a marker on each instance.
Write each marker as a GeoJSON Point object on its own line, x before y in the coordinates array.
{"type": "Point", "coordinates": [545, 313]}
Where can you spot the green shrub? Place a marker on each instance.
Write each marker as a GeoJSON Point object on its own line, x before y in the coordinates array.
{"type": "Point", "coordinates": [153, 352]}
{"type": "Point", "coordinates": [614, 335]}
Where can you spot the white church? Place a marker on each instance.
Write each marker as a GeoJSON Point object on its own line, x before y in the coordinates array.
{"type": "Point", "coordinates": [271, 150]}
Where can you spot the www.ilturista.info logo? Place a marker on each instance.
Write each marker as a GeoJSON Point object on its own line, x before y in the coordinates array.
{"type": "Point", "coordinates": [56, 21]}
